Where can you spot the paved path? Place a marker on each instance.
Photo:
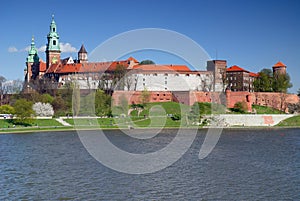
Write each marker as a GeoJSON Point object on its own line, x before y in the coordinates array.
{"type": "Point", "coordinates": [60, 120]}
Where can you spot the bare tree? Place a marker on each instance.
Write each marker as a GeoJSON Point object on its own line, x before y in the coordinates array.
{"type": "Point", "coordinates": [2, 90]}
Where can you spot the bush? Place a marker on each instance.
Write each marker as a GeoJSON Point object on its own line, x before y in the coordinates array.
{"type": "Point", "coordinates": [176, 117]}
{"type": "Point", "coordinates": [7, 109]}
{"type": "Point", "coordinates": [240, 107]}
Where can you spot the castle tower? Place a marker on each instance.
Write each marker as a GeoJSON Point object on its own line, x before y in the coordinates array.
{"type": "Point", "coordinates": [218, 67]}
{"type": "Point", "coordinates": [279, 68]}
{"type": "Point", "coordinates": [52, 48]}
{"type": "Point", "coordinates": [30, 60]}
{"type": "Point", "coordinates": [82, 55]}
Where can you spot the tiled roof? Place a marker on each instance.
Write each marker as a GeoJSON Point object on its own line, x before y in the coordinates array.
{"type": "Point", "coordinates": [253, 74]}
{"type": "Point", "coordinates": [236, 68]}
{"type": "Point", "coordinates": [82, 49]}
{"type": "Point", "coordinates": [279, 64]}
{"type": "Point", "coordinates": [86, 67]}
{"type": "Point", "coordinates": [42, 66]}
{"type": "Point", "coordinates": [133, 59]}
{"type": "Point", "coordinates": [152, 67]}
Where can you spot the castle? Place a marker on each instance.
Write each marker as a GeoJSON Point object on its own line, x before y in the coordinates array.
{"type": "Point", "coordinates": [130, 75]}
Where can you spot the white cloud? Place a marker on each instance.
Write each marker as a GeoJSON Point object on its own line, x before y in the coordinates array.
{"type": "Point", "coordinates": [67, 47]}
{"type": "Point", "coordinates": [64, 47]}
{"type": "Point", "coordinates": [12, 49]}
{"type": "Point", "coordinates": [42, 48]}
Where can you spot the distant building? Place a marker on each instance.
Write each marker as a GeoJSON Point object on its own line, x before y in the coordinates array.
{"type": "Point", "coordinates": [239, 79]}
{"type": "Point", "coordinates": [279, 67]}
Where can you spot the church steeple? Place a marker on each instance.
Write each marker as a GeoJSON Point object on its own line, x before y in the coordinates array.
{"type": "Point", "coordinates": [53, 37]}
{"type": "Point", "coordinates": [53, 47]}
{"type": "Point", "coordinates": [82, 55]}
{"type": "Point", "coordinates": [32, 51]}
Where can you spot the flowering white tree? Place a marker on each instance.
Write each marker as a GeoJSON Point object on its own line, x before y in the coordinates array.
{"type": "Point", "coordinates": [43, 109]}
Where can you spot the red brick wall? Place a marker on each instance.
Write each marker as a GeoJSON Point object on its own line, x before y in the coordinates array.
{"type": "Point", "coordinates": [275, 100]}
{"type": "Point", "coordinates": [134, 97]}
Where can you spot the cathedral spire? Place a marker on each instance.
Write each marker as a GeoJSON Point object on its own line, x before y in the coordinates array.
{"type": "Point", "coordinates": [32, 51]}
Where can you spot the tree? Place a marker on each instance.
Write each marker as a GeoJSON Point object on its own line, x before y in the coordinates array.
{"type": "Point", "coordinates": [43, 109]}
{"type": "Point", "coordinates": [76, 100]}
{"type": "Point", "coordinates": [281, 82]}
{"type": "Point", "coordinates": [146, 62]}
{"type": "Point", "coordinates": [24, 112]}
{"type": "Point", "coordinates": [7, 109]}
{"type": "Point", "coordinates": [2, 90]}
{"type": "Point", "coordinates": [298, 92]}
{"type": "Point", "coordinates": [102, 103]}
{"type": "Point", "coordinates": [264, 82]}
{"type": "Point", "coordinates": [124, 104]}
{"type": "Point", "coordinates": [145, 96]}
{"type": "Point", "coordinates": [118, 77]}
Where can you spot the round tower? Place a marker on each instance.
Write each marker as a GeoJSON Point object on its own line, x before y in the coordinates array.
{"type": "Point", "coordinates": [279, 68]}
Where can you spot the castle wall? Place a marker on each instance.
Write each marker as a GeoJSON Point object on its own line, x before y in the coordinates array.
{"type": "Point", "coordinates": [275, 100]}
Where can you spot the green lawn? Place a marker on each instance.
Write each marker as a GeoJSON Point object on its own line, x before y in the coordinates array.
{"type": "Point", "coordinates": [37, 122]}
{"type": "Point", "coordinates": [292, 121]}
{"type": "Point", "coordinates": [266, 110]}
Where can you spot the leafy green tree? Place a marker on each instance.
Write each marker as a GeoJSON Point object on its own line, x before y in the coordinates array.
{"type": "Point", "coordinates": [124, 104]}
{"type": "Point", "coordinates": [76, 101]}
{"type": "Point", "coordinates": [102, 103]}
{"type": "Point", "coordinates": [146, 62]}
{"type": "Point", "coordinates": [264, 82]}
{"type": "Point", "coordinates": [24, 112]}
{"type": "Point", "coordinates": [7, 109]}
{"type": "Point", "coordinates": [281, 82]}
{"type": "Point", "coordinates": [145, 96]}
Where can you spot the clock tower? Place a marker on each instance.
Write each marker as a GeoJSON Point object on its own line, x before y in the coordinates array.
{"type": "Point", "coordinates": [52, 48]}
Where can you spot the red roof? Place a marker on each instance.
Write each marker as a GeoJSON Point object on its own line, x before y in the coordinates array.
{"type": "Point", "coordinates": [154, 67]}
{"type": "Point", "coordinates": [253, 74]}
{"type": "Point", "coordinates": [236, 68]}
{"type": "Point", "coordinates": [279, 64]}
{"type": "Point", "coordinates": [86, 67]}
{"type": "Point", "coordinates": [133, 59]}
{"type": "Point", "coordinates": [42, 66]}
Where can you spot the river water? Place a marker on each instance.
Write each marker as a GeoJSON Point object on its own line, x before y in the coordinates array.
{"type": "Point", "coordinates": [245, 165]}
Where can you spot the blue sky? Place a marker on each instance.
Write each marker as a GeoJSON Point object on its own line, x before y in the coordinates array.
{"type": "Point", "coordinates": [252, 34]}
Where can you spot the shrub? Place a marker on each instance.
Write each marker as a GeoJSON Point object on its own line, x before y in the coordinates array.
{"type": "Point", "coordinates": [240, 107]}
{"type": "Point", "coordinates": [176, 117]}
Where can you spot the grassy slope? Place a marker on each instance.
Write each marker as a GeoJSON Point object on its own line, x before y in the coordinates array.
{"type": "Point", "coordinates": [292, 121]}
{"type": "Point", "coordinates": [266, 110]}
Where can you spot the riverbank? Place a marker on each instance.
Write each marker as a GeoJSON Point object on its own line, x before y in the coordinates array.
{"type": "Point", "coordinates": [88, 123]}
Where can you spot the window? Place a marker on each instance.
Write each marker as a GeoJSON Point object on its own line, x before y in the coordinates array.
{"type": "Point", "coordinates": [166, 74]}
{"type": "Point", "coordinates": [155, 74]}
{"type": "Point", "coordinates": [166, 82]}
{"type": "Point", "coordinates": [53, 29]}
{"type": "Point", "coordinates": [187, 75]}
{"type": "Point", "coordinates": [54, 42]}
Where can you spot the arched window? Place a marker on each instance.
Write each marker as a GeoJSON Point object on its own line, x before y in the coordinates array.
{"type": "Point", "coordinates": [54, 42]}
